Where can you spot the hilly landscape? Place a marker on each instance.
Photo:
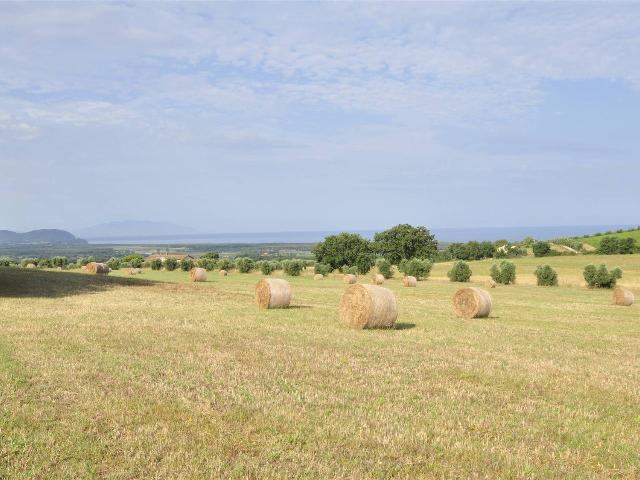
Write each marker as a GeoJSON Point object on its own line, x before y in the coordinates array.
{"type": "Point", "coordinates": [48, 236]}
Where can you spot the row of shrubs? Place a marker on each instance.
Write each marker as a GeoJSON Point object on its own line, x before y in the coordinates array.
{"type": "Point", "coordinates": [505, 273]}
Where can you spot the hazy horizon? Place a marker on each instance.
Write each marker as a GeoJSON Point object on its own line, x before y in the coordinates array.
{"type": "Point", "coordinates": [318, 116]}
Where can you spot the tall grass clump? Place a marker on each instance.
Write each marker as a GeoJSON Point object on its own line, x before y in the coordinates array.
{"type": "Point", "coordinates": [601, 277]}
{"type": "Point", "coordinates": [505, 273]}
{"type": "Point", "coordinates": [546, 276]}
{"type": "Point", "coordinates": [460, 272]}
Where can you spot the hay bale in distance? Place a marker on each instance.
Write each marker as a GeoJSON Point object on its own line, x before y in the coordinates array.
{"type": "Point", "coordinates": [31, 265]}
{"type": "Point", "coordinates": [349, 278]}
{"type": "Point", "coordinates": [198, 274]}
{"type": "Point", "coordinates": [409, 281]}
{"type": "Point", "coordinates": [318, 276]}
{"type": "Point", "coordinates": [472, 302]}
{"type": "Point", "coordinates": [84, 268]}
{"type": "Point", "coordinates": [135, 271]}
{"type": "Point", "coordinates": [491, 283]}
{"type": "Point", "coordinates": [273, 293]}
{"type": "Point", "coordinates": [368, 306]}
{"type": "Point", "coordinates": [623, 297]}
{"type": "Point", "coordinates": [98, 268]}
{"type": "Point", "coordinates": [378, 279]}
{"type": "Point", "coordinates": [222, 273]}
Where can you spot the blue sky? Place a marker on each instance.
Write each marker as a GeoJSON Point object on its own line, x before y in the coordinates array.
{"type": "Point", "coordinates": [319, 116]}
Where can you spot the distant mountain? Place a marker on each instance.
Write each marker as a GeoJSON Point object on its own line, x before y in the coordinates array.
{"type": "Point", "coordinates": [49, 236]}
{"type": "Point", "coordinates": [132, 228]}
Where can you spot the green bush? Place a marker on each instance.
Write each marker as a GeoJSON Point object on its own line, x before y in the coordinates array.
{"type": "Point", "coordinates": [293, 267]}
{"type": "Point", "coordinates": [135, 261]}
{"type": "Point", "coordinates": [614, 245]}
{"type": "Point", "coordinates": [505, 273]}
{"type": "Point", "coordinates": [351, 270]}
{"type": "Point", "coordinates": [5, 262]}
{"type": "Point", "coordinates": [547, 276]}
{"type": "Point", "coordinates": [416, 268]}
{"type": "Point", "coordinates": [322, 268]}
{"type": "Point", "coordinates": [113, 263]}
{"type": "Point", "coordinates": [59, 261]}
{"type": "Point", "coordinates": [244, 264]}
{"type": "Point", "coordinates": [170, 264]}
{"type": "Point", "coordinates": [225, 264]}
{"type": "Point", "coordinates": [541, 249]}
{"type": "Point", "coordinates": [601, 277]}
{"type": "Point", "coordinates": [207, 263]}
{"type": "Point", "coordinates": [384, 267]}
{"type": "Point", "coordinates": [266, 267]}
{"type": "Point", "coordinates": [460, 272]}
{"type": "Point", "coordinates": [156, 264]}
{"type": "Point", "coordinates": [44, 263]}
{"type": "Point", "coordinates": [211, 256]}
{"type": "Point", "coordinates": [26, 261]}
{"type": "Point", "coordinates": [72, 266]}
{"type": "Point", "coordinates": [186, 264]}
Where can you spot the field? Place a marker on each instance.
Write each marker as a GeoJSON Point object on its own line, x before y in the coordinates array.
{"type": "Point", "coordinates": [153, 377]}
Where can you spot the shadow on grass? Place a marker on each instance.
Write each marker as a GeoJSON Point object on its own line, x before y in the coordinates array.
{"type": "Point", "coordinates": [290, 307]}
{"type": "Point", "coordinates": [404, 326]}
{"type": "Point", "coordinates": [23, 283]}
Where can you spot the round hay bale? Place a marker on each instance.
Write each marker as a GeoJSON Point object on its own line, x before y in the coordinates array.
{"type": "Point", "coordinates": [349, 278]}
{"type": "Point", "coordinates": [491, 283]}
{"type": "Point", "coordinates": [84, 268]}
{"type": "Point", "coordinates": [98, 268]}
{"type": "Point", "coordinates": [318, 276]}
{"type": "Point", "coordinates": [368, 306]}
{"type": "Point", "coordinates": [378, 279]}
{"type": "Point", "coordinates": [135, 271]}
{"type": "Point", "coordinates": [623, 297]}
{"type": "Point", "coordinates": [273, 293]}
{"type": "Point", "coordinates": [198, 274]}
{"type": "Point", "coordinates": [222, 273]}
{"type": "Point", "coordinates": [472, 302]}
{"type": "Point", "coordinates": [31, 265]}
{"type": "Point", "coordinates": [410, 281]}
{"type": "Point", "coordinates": [59, 268]}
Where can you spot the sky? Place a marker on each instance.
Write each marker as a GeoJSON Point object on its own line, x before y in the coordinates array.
{"type": "Point", "coordinates": [244, 117]}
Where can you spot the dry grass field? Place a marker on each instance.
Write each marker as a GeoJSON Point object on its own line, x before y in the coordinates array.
{"type": "Point", "coordinates": [154, 377]}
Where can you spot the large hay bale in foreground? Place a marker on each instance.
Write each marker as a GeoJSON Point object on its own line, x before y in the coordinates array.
{"type": "Point", "coordinates": [273, 293]}
{"type": "Point", "coordinates": [623, 297]}
{"type": "Point", "coordinates": [349, 278]}
{"type": "Point", "coordinates": [318, 276]}
{"type": "Point", "coordinates": [222, 273]}
{"type": "Point", "coordinates": [368, 306]}
{"type": "Point", "coordinates": [378, 279]}
{"type": "Point", "coordinates": [409, 281]}
{"type": "Point", "coordinates": [491, 283]}
{"type": "Point", "coordinates": [198, 274]}
{"type": "Point", "coordinates": [98, 268]}
{"type": "Point", "coordinates": [472, 302]}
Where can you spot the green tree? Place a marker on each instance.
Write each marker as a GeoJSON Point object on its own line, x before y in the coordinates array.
{"type": "Point", "coordinates": [170, 264]}
{"type": "Point", "coordinates": [244, 264]}
{"type": "Point", "coordinates": [601, 277]}
{"type": "Point", "coordinates": [211, 255]}
{"type": "Point", "coordinates": [186, 264]}
{"type": "Point", "coordinates": [384, 267]}
{"type": "Point", "coordinates": [541, 249]}
{"type": "Point", "coordinates": [156, 264]}
{"type": "Point", "coordinates": [404, 242]}
{"type": "Point", "coordinates": [293, 267]}
{"type": "Point", "coordinates": [322, 268]}
{"type": "Point", "coordinates": [345, 249]}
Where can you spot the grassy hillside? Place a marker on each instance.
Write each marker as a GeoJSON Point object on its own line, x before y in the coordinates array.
{"type": "Point", "coordinates": [154, 377]}
{"type": "Point", "coordinates": [594, 240]}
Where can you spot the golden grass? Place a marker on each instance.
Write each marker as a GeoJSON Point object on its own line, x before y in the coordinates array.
{"type": "Point", "coordinates": [121, 378]}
